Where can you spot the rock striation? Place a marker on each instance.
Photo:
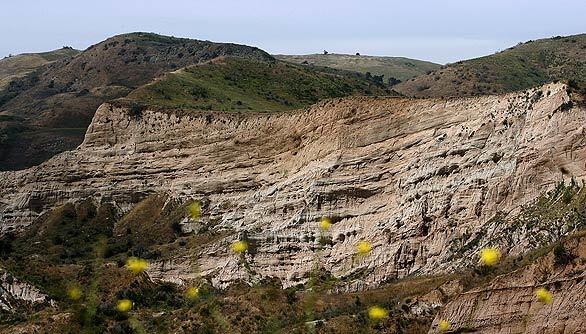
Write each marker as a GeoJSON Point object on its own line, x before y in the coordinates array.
{"type": "Point", "coordinates": [14, 293]}
{"type": "Point", "coordinates": [508, 304]}
{"type": "Point", "coordinates": [418, 179]}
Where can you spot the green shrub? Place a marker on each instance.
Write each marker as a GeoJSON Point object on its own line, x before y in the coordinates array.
{"type": "Point", "coordinates": [562, 256]}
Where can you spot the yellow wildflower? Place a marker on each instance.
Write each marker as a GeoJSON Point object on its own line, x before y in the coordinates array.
{"type": "Point", "coordinates": [490, 256]}
{"type": "Point", "coordinates": [363, 247]}
{"type": "Point", "coordinates": [192, 293]}
{"type": "Point", "coordinates": [377, 313]}
{"type": "Point", "coordinates": [194, 210]}
{"type": "Point", "coordinates": [74, 293]}
{"type": "Point", "coordinates": [444, 325]}
{"type": "Point", "coordinates": [124, 305]}
{"type": "Point", "coordinates": [136, 265]}
{"type": "Point", "coordinates": [240, 246]}
{"type": "Point", "coordinates": [325, 223]}
{"type": "Point", "coordinates": [544, 296]}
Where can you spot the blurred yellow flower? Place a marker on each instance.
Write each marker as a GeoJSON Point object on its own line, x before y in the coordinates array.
{"type": "Point", "coordinates": [363, 247]}
{"type": "Point", "coordinates": [240, 246]}
{"type": "Point", "coordinates": [74, 293]}
{"type": "Point", "coordinates": [544, 296]}
{"type": "Point", "coordinates": [124, 305]}
{"type": "Point", "coordinates": [490, 256]}
{"type": "Point", "coordinates": [325, 223]}
{"type": "Point", "coordinates": [194, 210]}
{"type": "Point", "coordinates": [377, 313]}
{"type": "Point", "coordinates": [136, 265]}
{"type": "Point", "coordinates": [444, 325]}
{"type": "Point", "coordinates": [192, 293]}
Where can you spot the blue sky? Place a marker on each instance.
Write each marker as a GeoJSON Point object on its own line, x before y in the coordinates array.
{"type": "Point", "coordinates": [436, 30]}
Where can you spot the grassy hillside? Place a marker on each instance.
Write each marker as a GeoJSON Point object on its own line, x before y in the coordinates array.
{"type": "Point", "coordinates": [64, 94]}
{"type": "Point", "coordinates": [391, 67]}
{"type": "Point", "coordinates": [523, 66]}
{"type": "Point", "coordinates": [232, 84]}
{"type": "Point", "coordinates": [15, 67]}
{"type": "Point", "coordinates": [46, 111]}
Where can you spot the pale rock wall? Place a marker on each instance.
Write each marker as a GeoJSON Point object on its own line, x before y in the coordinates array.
{"type": "Point", "coordinates": [410, 176]}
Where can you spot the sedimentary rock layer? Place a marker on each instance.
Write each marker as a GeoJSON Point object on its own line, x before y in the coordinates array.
{"type": "Point", "coordinates": [415, 178]}
{"type": "Point", "coordinates": [508, 304]}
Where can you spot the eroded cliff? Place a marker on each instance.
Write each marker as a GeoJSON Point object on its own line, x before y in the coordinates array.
{"type": "Point", "coordinates": [422, 180]}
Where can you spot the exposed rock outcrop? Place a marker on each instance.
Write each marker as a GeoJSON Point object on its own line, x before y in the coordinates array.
{"type": "Point", "coordinates": [416, 178]}
{"type": "Point", "coordinates": [14, 293]}
{"type": "Point", "coordinates": [508, 304]}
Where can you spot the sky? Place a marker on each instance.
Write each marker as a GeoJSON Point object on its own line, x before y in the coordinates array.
{"type": "Point", "coordinates": [441, 31]}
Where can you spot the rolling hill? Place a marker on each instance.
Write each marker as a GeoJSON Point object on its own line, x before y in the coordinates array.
{"type": "Point", "coordinates": [14, 67]}
{"type": "Point", "coordinates": [66, 93]}
{"type": "Point", "coordinates": [236, 84]}
{"type": "Point", "coordinates": [525, 65]}
{"type": "Point", "coordinates": [391, 67]}
{"type": "Point", "coordinates": [47, 111]}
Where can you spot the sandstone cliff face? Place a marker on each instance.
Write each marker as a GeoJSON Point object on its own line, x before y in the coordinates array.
{"type": "Point", "coordinates": [419, 179]}
{"type": "Point", "coordinates": [508, 304]}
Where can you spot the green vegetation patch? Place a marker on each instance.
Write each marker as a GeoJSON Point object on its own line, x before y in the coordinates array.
{"type": "Point", "coordinates": [64, 52]}
{"type": "Point", "coordinates": [233, 84]}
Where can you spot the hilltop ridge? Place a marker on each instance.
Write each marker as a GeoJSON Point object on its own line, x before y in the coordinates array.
{"type": "Point", "coordinates": [525, 65]}
{"type": "Point", "coordinates": [399, 68]}
{"type": "Point", "coordinates": [17, 66]}
{"type": "Point", "coordinates": [48, 110]}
